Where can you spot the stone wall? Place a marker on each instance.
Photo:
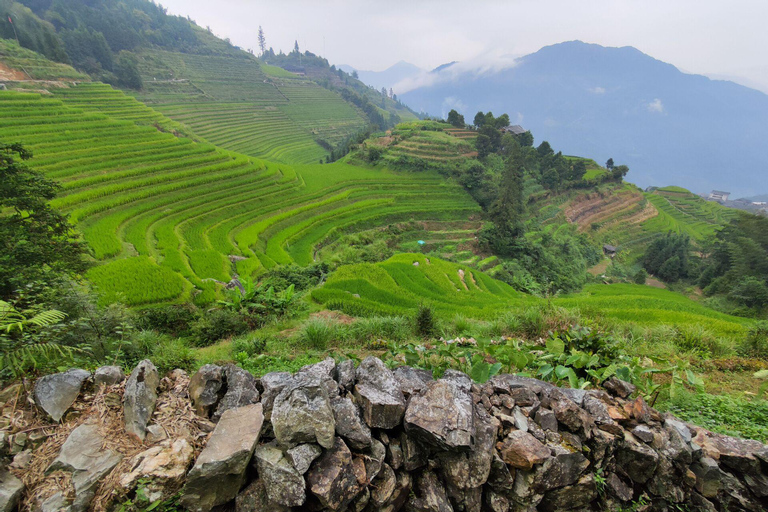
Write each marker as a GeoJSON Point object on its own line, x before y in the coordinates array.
{"type": "Point", "coordinates": [339, 437]}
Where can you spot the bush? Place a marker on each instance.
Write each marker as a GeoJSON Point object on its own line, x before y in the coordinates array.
{"type": "Point", "coordinates": [756, 342]}
{"type": "Point", "coordinates": [318, 333]}
{"type": "Point", "coordinates": [700, 340]}
{"type": "Point", "coordinates": [641, 276]}
{"type": "Point", "coordinates": [171, 353]}
{"type": "Point", "coordinates": [252, 343]}
{"type": "Point", "coordinates": [389, 328]}
{"type": "Point", "coordinates": [216, 325]}
{"type": "Point", "coordinates": [176, 319]}
{"type": "Point", "coordinates": [426, 325]}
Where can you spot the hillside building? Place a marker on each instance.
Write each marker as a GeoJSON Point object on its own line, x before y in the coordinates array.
{"type": "Point", "coordinates": [610, 250]}
{"type": "Point", "coordinates": [514, 130]}
{"type": "Point", "coordinates": [719, 195]}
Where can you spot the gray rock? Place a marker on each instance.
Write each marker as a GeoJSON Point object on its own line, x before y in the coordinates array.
{"type": "Point", "coordinates": [383, 487]}
{"type": "Point", "coordinates": [155, 434]}
{"type": "Point", "coordinates": [379, 394]}
{"type": "Point", "coordinates": [206, 388]}
{"type": "Point", "coordinates": [11, 489]}
{"type": "Point", "coordinates": [618, 487]}
{"type": "Point", "coordinates": [283, 483]}
{"type": "Point", "coordinates": [680, 427]}
{"type": "Point", "coordinates": [140, 398]}
{"type": "Point", "coordinates": [241, 390]}
{"type": "Point", "coordinates": [303, 455]}
{"type": "Point", "coordinates": [572, 497]}
{"type": "Point", "coordinates": [302, 413]}
{"type": "Point", "coordinates": [643, 433]}
{"type": "Point", "coordinates": [412, 380]}
{"type": "Point", "coordinates": [395, 456]}
{"type": "Point", "coordinates": [521, 420]}
{"type": "Point", "coordinates": [345, 374]}
{"type": "Point", "coordinates": [576, 395]}
{"type": "Point", "coordinates": [415, 455]}
{"type": "Point", "coordinates": [495, 502]}
{"type": "Point", "coordinates": [471, 469]}
{"type": "Point", "coordinates": [709, 478]}
{"type": "Point", "coordinates": [22, 460]}
{"type": "Point", "coordinates": [507, 383]}
{"type": "Point", "coordinates": [523, 451]}
{"type": "Point", "coordinates": [571, 415]}
{"type": "Point", "coordinates": [108, 375]}
{"type": "Point", "coordinates": [272, 384]}
{"type": "Point", "coordinates": [254, 499]}
{"type": "Point", "coordinates": [639, 461]}
{"type": "Point", "coordinates": [350, 424]}
{"type": "Point", "coordinates": [83, 456]}
{"type": "Point", "coordinates": [501, 477]}
{"type": "Point", "coordinates": [429, 495]}
{"type": "Point", "coordinates": [374, 459]}
{"type": "Point", "coordinates": [546, 419]}
{"type": "Point", "coordinates": [219, 471]}
{"type": "Point", "coordinates": [559, 471]}
{"type": "Point", "coordinates": [161, 469]}
{"type": "Point", "coordinates": [618, 387]}
{"type": "Point", "coordinates": [333, 479]}
{"type": "Point", "coordinates": [442, 415]}
{"type": "Point", "coordinates": [56, 393]}
{"type": "Point", "coordinates": [326, 371]}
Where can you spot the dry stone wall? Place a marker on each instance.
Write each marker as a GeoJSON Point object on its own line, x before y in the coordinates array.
{"type": "Point", "coordinates": [341, 437]}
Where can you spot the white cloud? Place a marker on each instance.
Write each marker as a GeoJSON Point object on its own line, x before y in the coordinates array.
{"type": "Point", "coordinates": [656, 106]}
{"type": "Point", "coordinates": [453, 103]}
{"type": "Point", "coordinates": [597, 90]}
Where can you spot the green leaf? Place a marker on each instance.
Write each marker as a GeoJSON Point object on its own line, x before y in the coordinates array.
{"type": "Point", "coordinates": [555, 346]}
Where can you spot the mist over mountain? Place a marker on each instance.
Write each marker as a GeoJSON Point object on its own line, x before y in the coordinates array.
{"type": "Point", "coordinates": [671, 128]}
{"type": "Point", "coordinates": [387, 78]}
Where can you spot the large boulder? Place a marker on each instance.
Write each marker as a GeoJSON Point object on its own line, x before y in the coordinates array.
{"type": "Point", "coordinates": [11, 489]}
{"type": "Point", "coordinates": [162, 469]}
{"type": "Point", "coordinates": [469, 470]}
{"type": "Point", "coordinates": [302, 413]}
{"type": "Point", "coordinates": [206, 389]}
{"type": "Point", "coordinates": [241, 390]}
{"type": "Point", "coordinates": [412, 380]}
{"type": "Point", "coordinates": [219, 471]}
{"type": "Point", "coordinates": [303, 455]}
{"type": "Point", "coordinates": [140, 398]}
{"type": "Point", "coordinates": [350, 424]}
{"type": "Point", "coordinates": [83, 455]}
{"type": "Point", "coordinates": [429, 495]}
{"type": "Point", "coordinates": [637, 460]}
{"type": "Point", "coordinates": [333, 479]}
{"type": "Point", "coordinates": [254, 499]}
{"type": "Point", "coordinates": [272, 384]}
{"type": "Point", "coordinates": [56, 393]}
{"type": "Point", "coordinates": [559, 471]}
{"type": "Point", "coordinates": [442, 414]}
{"type": "Point", "coordinates": [284, 485]}
{"type": "Point", "coordinates": [379, 395]}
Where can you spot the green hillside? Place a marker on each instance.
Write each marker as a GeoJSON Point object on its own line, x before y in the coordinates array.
{"type": "Point", "coordinates": [165, 215]}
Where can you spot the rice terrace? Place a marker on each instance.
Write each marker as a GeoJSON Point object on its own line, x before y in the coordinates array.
{"type": "Point", "coordinates": [275, 224]}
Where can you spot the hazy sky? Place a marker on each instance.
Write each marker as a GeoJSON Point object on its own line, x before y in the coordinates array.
{"type": "Point", "coordinates": [714, 37]}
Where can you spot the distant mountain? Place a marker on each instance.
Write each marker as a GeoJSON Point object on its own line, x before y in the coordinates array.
{"type": "Point", "coordinates": [671, 128]}
{"type": "Point", "coordinates": [387, 78]}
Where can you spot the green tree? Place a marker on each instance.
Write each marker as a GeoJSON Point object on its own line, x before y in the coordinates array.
{"type": "Point", "coordinates": [526, 139]}
{"type": "Point", "coordinates": [668, 257]}
{"type": "Point", "coordinates": [578, 170]}
{"type": "Point", "coordinates": [502, 121]}
{"type": "Point", "coordinates": [262, 41]}
{"type": "Point", "coordinates": [479, 120]}
{"type": "Point", "coordinates": [35, 240]}
{"type": "Point", "coordinates": [619, 172]}
{"type": "Point", "coordinates": [641, 276]}
{"type": "Point", "coordinates": [507, 211]}
{"type": "Point", "coordinates": [296, 47]}
{"type": "Point", "coordinates": [127, 72]}
{"type": "Point", "coordinates": [544, 150]}
{"type": "Point", "coordinates": [456, 119]}
{"type": "Point", "coordinates": [609, 164]}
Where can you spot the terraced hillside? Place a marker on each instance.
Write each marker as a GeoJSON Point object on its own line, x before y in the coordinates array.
{"type": "Point", "coordinates": [166, 215]}
{"type": "Point", "coordinates": [426, 143]}
{"type": "Point", "coordinates": [400, 284]}
{"type": "Point", "coordinates": [17, 63]}
{"type": "Point", "coordinates": [230, 101]}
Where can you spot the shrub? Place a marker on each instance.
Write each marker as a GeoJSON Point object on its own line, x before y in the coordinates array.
{"type": "Point", "coordinates": [426, 325]}
{"type": "Point", "coordinates": [171, 353]}
{"type": "Point", "coordinates": [641, 276]}
{"type": "Point", "coordinates": [389, 328]}
{"type": "Point", "coordinates": [700, 340]}
{"type": "Point", "coordinates": [175, 319]}
{"type": "Point", "coordinates": [216, 325]}
{"type": "Point", "coordinates": [251, 343]}
{"type": "Point", "coordinates": [317, 333]}
{"type": "Point", "coordinates": [756, 342]}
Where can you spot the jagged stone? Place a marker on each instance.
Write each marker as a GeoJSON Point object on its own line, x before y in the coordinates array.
{"type": "Point", "coordinates": [501, 477]}
{"type": "Point", "coordinates": [637, 460]}
{"type": "Point", "coordinates": [598, 410]}
{"type": "Point", "coordinates": [618, 387]}
{"type": "Point", "coordinates": [219, 471]}
{"type": "Point", "coordinates": [618, 488]}
{"type": "Point", "coordinates": [155, 434]}
{"type": "Point", "coordinates": [332, 477]}
{"type": "Point", "coordinates": [326, 371]}
{"type": "Point", "coordinates": [283, 483]}
{"type": "Point", "coordinates": [495, 502]}
{"type": "Point", "coordinates": [523, 451]}
{"type": "Point", "coordinates": [643, 433]}
{"type": "Point", "coordinates": [442, 415]}
{"type": "Point", "coordinates": [383, 487]}
{"type": "Point", "coordinates": [83, 455]}
{"type": "Point", "coordinates": [680, 427]}
{"type": "Point", "coordinates": [429, 495]}
{"type": "Point", "coordinates": [161, 467]}
{"type": "Point", "coordinates": [559, 471]}
{"type": "Point", "coordinates": [412, 380]}
{"type": "Point", "coordinates": [303, 455]}
{"type": "Point", "coordinates": [345, 374]}
{"type": "Point", "coordinates": [395, 456]}
{"type": "Point", "coordinates": [241, 390]}
{"type": "Point", "coordinates": [374, 459]}
{"type": "Point", "coordinates": [546, 419]}
{"type": "Point", "coordinates": [571, 497]}
{"type": "Point", "coordinates": [471, 469]}
{"type": "Point", "coordinates": [254, 499]}
{"type": "Point", "coordinates": [569, 414]}
{"type": "Point", "coordinates": [378, 394]}
{"type": "Point", "coordinates": [108, 376]}
{"type": "Point", "coordinates": [709, 478]}
{"type": "Point", "coordinates": [302, 413]}
{"type": "Point", "coordinates": [415, 455]}
{"type": "Point", "coordinates": [206, 389]}
{"type": "Point", "coordinates": [140, 398]}
{"type": "Point", "coordinates": [11, 489]}
{"type": "Point", "coordinates": [350, 424]}
{"type": "Point", "coordinates": [56, 393]}
{"type": "Point", "coordinates": [272, 384]}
